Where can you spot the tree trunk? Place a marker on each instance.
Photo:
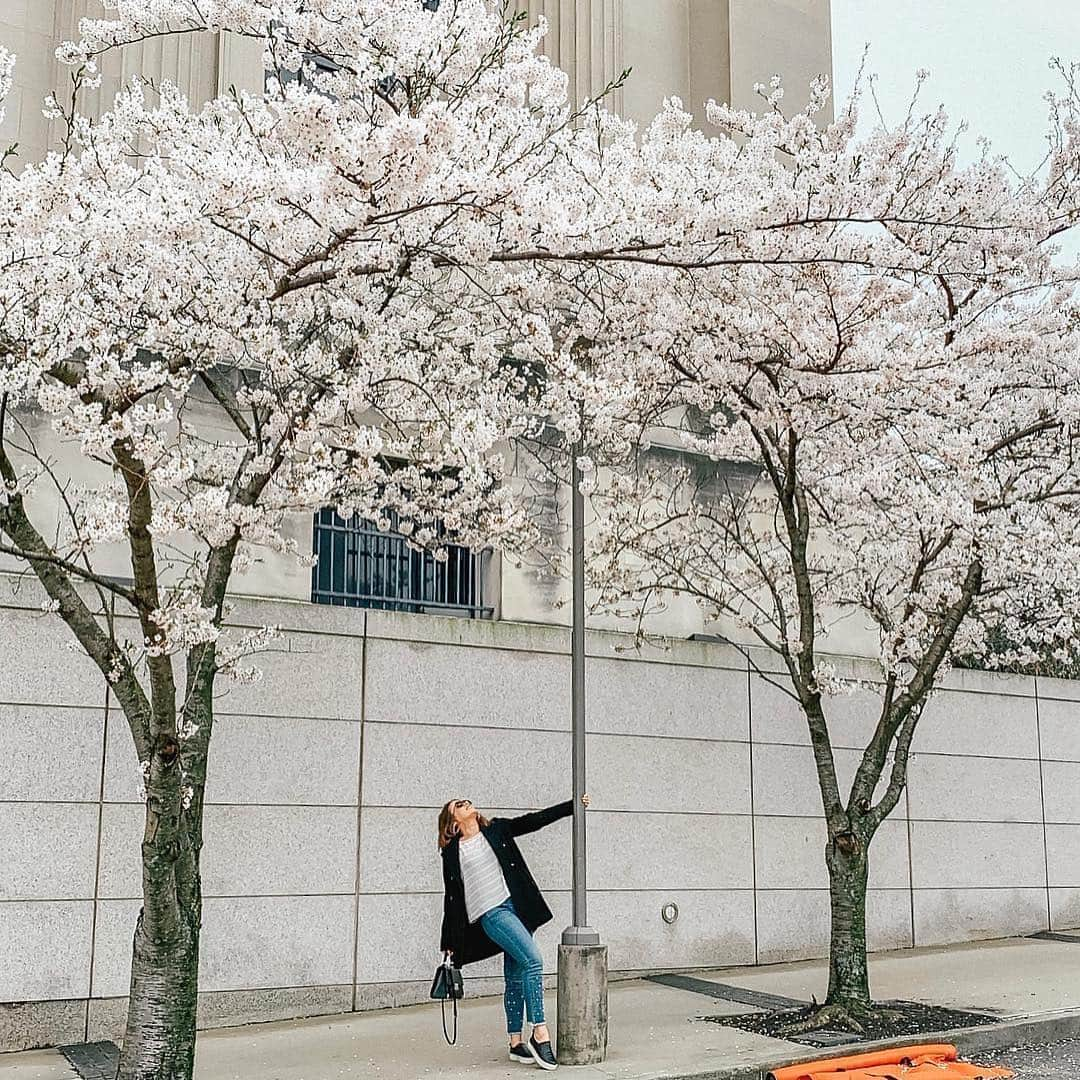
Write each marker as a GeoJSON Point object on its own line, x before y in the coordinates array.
{"type": "Point", "coordinates": [159, 1040]}
{"type": "Point", "coordinates": [849, 979]}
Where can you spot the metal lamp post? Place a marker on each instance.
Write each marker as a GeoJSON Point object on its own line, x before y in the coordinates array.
{"type": "Point", "coordinates": [583, 1000]}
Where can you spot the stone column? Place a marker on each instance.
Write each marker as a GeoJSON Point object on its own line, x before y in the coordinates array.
{"type": "Point", "coordinates": [585, 40]}
{"type": "Point", "coordinates": [789, 38]}
{"type": "Point", "coordinates": [681, 48]}
{"type": "Point", "coordinates": [191, 61]}
{"type": "Point", "coordinates": [240, 63]}
{"type": "Point", "coordinates": [709, 55]}
{"type": "Point", "coordinates": [582, 1027]}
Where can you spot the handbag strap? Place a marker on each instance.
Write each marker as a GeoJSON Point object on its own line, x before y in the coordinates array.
{"type": "Point", "coordinates": [446, 1034]}
{"type": "Point", "coordinates": [448, 968]}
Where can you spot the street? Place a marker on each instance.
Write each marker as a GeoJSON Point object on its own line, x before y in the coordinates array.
{"type": "Point", "coordinates": [1055, 1061]}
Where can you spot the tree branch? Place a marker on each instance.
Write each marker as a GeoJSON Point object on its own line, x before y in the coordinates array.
{"type": "Point", "coordinates": [73, 568]}
{"type": "Point", "coordinates": [100, 646]}
{"type": "Point", "coordinates": [910, 703]}
{"type": "Point", "coordinates": [145, 573]}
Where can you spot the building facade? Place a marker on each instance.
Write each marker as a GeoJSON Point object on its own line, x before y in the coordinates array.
{"type": "Point", "coordinates": [692, 49]}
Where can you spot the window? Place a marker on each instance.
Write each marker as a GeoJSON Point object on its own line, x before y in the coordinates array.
{"type": "Point", "coordinates": [323, 64]}
{"type": "Point", "coordinates": [359, 566]}
{"type": "Point", "coordinates": [710, 484]}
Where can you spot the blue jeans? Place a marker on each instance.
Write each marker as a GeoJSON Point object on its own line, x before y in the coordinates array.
{"type": "Point", "coordinates": [523, 968]}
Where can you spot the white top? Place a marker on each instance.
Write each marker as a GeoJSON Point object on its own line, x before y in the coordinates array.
{"type": "Point", "coordinates": [485, 886]}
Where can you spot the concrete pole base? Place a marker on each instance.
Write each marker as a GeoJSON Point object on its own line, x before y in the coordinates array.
{"type": "Point", "coordinates": [583, 1004]}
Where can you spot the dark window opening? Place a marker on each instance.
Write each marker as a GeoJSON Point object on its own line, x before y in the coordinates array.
{"type": "Point", "coordinates": [358, 565]}
{"type": "Point", "coordinates": [324, 65]}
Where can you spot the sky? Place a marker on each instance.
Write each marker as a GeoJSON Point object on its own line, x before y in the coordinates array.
{"type": "Point", "coordinates": [987, 61]}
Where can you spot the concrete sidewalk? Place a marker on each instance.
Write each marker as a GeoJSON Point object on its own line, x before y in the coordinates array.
{"type": "Point", "coordinates": [653, 1034]}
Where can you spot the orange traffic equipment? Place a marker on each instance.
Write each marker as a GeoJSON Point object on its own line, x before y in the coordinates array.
{"type": "Point", "coordinates": [936, 1062]}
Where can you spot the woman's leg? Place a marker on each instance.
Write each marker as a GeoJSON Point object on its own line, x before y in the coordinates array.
{"type": "Point", "coordinates": [508, 932]}
{"type": "Point", "coordinates": [513, 998]}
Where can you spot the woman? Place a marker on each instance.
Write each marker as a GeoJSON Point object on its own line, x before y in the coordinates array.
{"type": "Point", "coordinates": [492, 905]}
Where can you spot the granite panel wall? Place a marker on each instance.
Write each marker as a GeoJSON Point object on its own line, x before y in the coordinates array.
{"type": "Point", "coordinates": [321, 876]}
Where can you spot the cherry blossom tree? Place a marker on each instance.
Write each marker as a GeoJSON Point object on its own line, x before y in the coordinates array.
{"type": "Point", "coordinates": [884, 422]}
{"type": "Point", "coordinates": [215, 317]}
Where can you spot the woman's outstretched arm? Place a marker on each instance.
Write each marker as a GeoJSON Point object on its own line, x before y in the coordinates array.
{"type": "Point", "coordinates": [538, 819]}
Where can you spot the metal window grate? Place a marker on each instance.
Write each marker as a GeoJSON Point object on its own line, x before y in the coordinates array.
{"type": "Point", "coordinates": [93, 1061]}
{"type": "Point", "coordinates": [360, 566]}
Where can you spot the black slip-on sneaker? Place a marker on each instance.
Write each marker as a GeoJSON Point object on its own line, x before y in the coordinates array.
{"type": "Point", "coordinates": [521, 1054]}
{"type": "Point", "coordinates": [542, 1054]}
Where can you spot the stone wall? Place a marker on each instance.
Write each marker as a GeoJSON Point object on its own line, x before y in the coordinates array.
{"type": "Point", "coordinates": [321, 877]}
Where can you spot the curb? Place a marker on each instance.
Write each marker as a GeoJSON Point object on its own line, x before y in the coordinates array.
{"type": "Point", "coordinates": [1019, 1031]}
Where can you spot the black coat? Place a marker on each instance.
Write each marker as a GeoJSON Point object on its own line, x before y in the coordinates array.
{"type": "Point", "coordinates": [468, 942]}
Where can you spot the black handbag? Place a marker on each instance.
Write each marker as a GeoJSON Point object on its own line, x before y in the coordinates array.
{"type": "Point", "coordinates": [448, 984]}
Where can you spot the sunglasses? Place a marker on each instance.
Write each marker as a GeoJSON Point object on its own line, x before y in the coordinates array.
{"type": "Point", "coordinates": [459, 803]}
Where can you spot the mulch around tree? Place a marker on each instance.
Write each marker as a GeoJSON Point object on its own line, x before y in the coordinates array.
{"type": "Point", "coordinates": [904, 1018]}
